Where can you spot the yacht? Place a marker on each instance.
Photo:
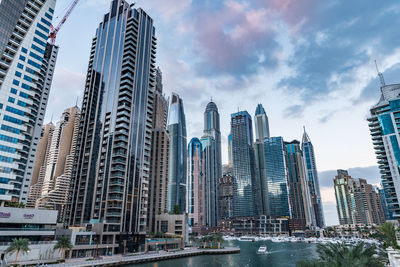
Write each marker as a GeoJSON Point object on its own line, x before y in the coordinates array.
{"type": "Point", "coordinates": [262, 250]}
{"type": "Point", "coordinates": [247, 238]}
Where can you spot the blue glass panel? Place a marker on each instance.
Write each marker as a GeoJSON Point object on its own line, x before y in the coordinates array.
{"type": "Point", "coordinates": [386, 124]}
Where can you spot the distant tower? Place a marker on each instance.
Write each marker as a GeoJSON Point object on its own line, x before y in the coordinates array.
{"type": "Point", "coordinates": [312, 177]}
{"type": "Point", "coordinates": [177, 155]}
{"type": "Point", "coordinates": [243, 164]}
{"type": "Point", "coordinates": [261, 183]}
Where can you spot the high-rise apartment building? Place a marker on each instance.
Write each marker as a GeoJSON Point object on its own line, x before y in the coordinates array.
{"type": "Point", "coordinates": [277, 202]}
{"type": "Point", "coordinates": [357, 201]}
{"type": "Point", "coordinates": [211, 143]}
{"type": "Point", "coordinates": [196, 184]}
{"type": "Point", "coordinates": [112, 170]}
{"type": "Point", "coordinates": [299, 188]}
{"type": "Point", "coordinates": [225, 189]}
{"type": "Point", "coordinates": [243, 164]}
{"type": "Point", "coordinates": [383, 125]}
{"type": "Point", "coordinates": [53, 164]}
{"type": "Point", "coordinates": [230, 160]}
{"type": "Point", "coordinates": [177, 155]}
{"type": "Point", "coordinates": [312, 177]}
{"type": "Point", "coordinates": [158, 183]}
{"type": "Point", "coordinates": [262, 132]}
{"type": "Point", "coordinates": [27, 64]}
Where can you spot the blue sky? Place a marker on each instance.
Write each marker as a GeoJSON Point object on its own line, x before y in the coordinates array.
{"type": "Point", "coordinates": [309, 62]}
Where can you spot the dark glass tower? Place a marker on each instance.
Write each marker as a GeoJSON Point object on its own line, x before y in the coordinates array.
{"type": "Point", "coordinates": [312, 177]}
{"type": "Point", "coordinates": [243, 164]}
{"type": "Point", "coordinates": [275, 166]}
{"type": "Point", "coordinates": [299, 188]}
{"type": "Point", "coordinates": [114, 142]}
{"type": "Point", "coordinates": [261, 185]}
{"type": "Point", "coordinates": [177, 155]}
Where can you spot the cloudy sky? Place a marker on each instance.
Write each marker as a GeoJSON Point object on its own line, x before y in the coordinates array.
{"type": "Point", "coordinates": [309, 62]}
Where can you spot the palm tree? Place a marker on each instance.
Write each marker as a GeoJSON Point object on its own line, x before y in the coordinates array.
{"type": "Point", "coordinates": [204, 240]}
{"type": "Point", "coordinates": [219, 238]}
{"type": "Point", "coordinates": [18, 245]}
{"type": "Point", "coordinates": [341, 255]}
{"type": "Point", "coordinates": [63, 243]}
{"type": "Point", "coordinates": [193, 239]}
{"type": "Point", "coordinates": [389, 232]}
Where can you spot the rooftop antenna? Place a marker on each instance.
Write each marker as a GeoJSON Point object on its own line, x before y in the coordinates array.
{"type": "Point", "coordinates": [51, 121]}
{"type": "Point", "coordinates": [380, 75]}
{"type": "Point", "coordinates": [76, 103]}
{"type": "Point", "coordinates": [304, 127]}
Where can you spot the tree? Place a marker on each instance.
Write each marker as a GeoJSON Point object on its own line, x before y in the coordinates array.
{"type": "Point", "coordinates": [177, 209]}
{"type": "Point", "coordinates": [220, 239]}
{"type": "Point", "coordinates": [18, 245]}
{"type": "Point", "coordinates": [63, 243]}
{"type": "Point", "coordinates": [193, 239]}
{"type": "Point", "coordinates": [341, 255]}
{"type": "Point", "coordinates": [389, 234]}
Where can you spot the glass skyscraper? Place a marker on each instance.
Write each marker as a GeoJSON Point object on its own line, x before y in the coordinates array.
{"type": "Point", "coordinates": [299, 188]}
{"type": "Point", "coordinates": [384, 124]}
{"type": "Point", "coordinates": [196, 186]}
{"type": "Point", "coordinates": [177, 155]}
{"type": "Point", "coordinates": [27, 64]}
{"type": "Point", "coordinates": [261, 186]}
{"type": "Point", "coordinates": [243, 164]}
{"type": "Point", "coordinates": [278, 196]}
{"type": "Point", "coordinates": [312, 177]}
{"type": "Point", "coordinates": [114, 141]}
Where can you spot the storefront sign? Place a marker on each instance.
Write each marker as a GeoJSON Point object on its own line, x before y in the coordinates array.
{"type": "Point", "coordinates": [5, 214]}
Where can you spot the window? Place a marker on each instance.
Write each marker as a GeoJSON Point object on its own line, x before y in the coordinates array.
{"type": "Point", "coordinates": [33, 63]}
{"type": "Point", "coordinates": [50, 17]}
{"type": "Point", "coordinates": [13, 120]}
{"type": "Point", "coordinates": [8, 139]}
{"type": "Point", "coordinates": [41, 34]}
{"type": "Point", "coordinates": [39, 41]}
{"type": "Point", "coordinates": [11, 99]}
{"type": "Point", "coordinates": [28, 78]}
{"type": "Point", "coordinates": [20, 66]}
{"type": "Point", "coordinates": [15, 82]}
{"type": "Point", "coordinates": [10, 129]}
{"type": "Point", "coordinates": [3, 180]}
{"type": "Point", "coordinates": [6, 159]}
{"type": "Point", "coordinates": [38, 49]}
{"type": "Point", "coordinates": [21, 103]}
{"type": "Point", "coordinates": [18, 74]}
{"type": "Point", "coordinates": [15, 111]}
{"type": "Point", "coordinates": [51, 10]}
{"type": "Point", "coordinates": [25, 86]}
{"type": "Point", "coordinates": [43, 28]}
{"type": "Point", "coordinates": [35, 56]}
{"type": "Point", "coordinates": [24, 50]}
{"type": "Point", "coordinates": [13, 91]}
{"type": "Point", "coordinates": [24, 95]}
{"type": "Point", "coordinates": [31, 71]}
{"type": "Point", "coordinates": [21, 57]}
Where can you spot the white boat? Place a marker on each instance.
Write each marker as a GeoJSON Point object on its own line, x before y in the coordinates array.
{"type": "Point", "coordinates": [262, 250]}
{"type": "Point", "coordinates": [247, 238]}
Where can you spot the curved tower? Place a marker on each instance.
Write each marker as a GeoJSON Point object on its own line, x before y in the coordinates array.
{"type": "Point", "coordinates": [177, 155]}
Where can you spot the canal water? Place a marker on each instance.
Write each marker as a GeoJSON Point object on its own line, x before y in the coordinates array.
{"type": "Point", "coordinates": [280, 254]}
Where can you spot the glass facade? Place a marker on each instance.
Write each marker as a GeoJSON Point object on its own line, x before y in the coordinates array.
{"type": "Point", "coordinates": [384, 126]}
{"type": "Point", "coordinates": [114, 141]}
{"type": "Point", "coordinates": [177, 155]}
{"type": "Point", "coordinates": [26, 69]}
{"type": "Point", "coordinates": [312, 177]}
{"type": "Point", "coordinates": [278, 196]}
{"type": "Point", "coordinates": [243, 164]}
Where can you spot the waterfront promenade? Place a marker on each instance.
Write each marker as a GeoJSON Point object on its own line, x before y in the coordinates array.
{"type": "Point", "coordinates": [148, 257]}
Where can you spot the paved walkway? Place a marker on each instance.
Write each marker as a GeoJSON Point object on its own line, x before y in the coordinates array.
{"type": "Point", "coordinates": [149, 257]}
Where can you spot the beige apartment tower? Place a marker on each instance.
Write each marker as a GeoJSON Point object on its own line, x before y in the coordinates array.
{"type": "Point", "coordinates": [53, 164]}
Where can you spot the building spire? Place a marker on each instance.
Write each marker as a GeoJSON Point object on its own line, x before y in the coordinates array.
{"type": "Point", "coordinates": [76, 103]}
{"type": "Point", "coordinates": [382, 80]}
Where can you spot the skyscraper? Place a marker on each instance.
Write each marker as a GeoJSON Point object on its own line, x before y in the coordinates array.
{"type": "Point", "coordinates": [383, 125]}
{"type": "Point", "coordinates": [209, 146]}
{"type": "Point", "coordinates": [261, 186]}
{"type": "Point", "coordinates": [196, 206]}
{"type": "Point", "coordinates": [230, 160]}
{"type": "Point", "coordinates": [243, 164]}
{"type": "Point", "coordinates": [211, 142]}
{"type": "Point", "coordinates": [158, 183]}
{"type": "Point", "coordinates": [53, 164]}
{"type": "Point", "coordinates": [225, 194]}
{"type": "Point", "coordinates": [26, 70]}
{"type": "Point", "coordinates": [277, 202]}
{"type": "Point", "coordinates": [177, 155]}
{"type": "Point", "coordinates": [312, 177]}
{"type": "Point", "coordinates": [357, 201]}
{"type": "Point", "coordinates": [299, 189]}
{"type": "Point", "coordinates": [114, 142]}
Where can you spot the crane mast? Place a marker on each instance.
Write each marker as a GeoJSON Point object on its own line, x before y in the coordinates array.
{"type": "Point", "coordinates": [54, 31]}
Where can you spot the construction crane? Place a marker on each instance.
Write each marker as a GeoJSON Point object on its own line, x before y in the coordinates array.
{"type": "Point", "coordinates": [54, 31]}
{"type": "Point", "coordinates": [380, 75]}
